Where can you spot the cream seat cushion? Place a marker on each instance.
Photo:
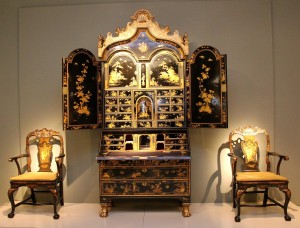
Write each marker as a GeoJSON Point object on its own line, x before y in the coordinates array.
{"type": "Point", "coordinates": [259, 176]}
{"type": "Point", "coordinates": [35, 176]}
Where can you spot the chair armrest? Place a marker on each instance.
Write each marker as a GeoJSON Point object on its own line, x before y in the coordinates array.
{"type": "Point", "coordinates": [60, 156]}
{"type": "Point", "coordinates": [281, 157]}
{"type": "Point", "coordinates": [17, 157]}
{"type": "Point", "coordinates": [16, 160]}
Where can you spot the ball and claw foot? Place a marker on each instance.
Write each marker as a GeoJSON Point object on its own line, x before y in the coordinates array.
{"type": "Point", "coordinates": [104, 211]}
{"type": "Point", "coordinates": [10, 215]}
{"type": "Point", "coordinates": [287, 218]}
{"type": "Point", "coordinates": [186, 210]}
{"type": "Point", "coordinates": [186, 214]}
{"type": "Point", "coordinates": [237, 219]}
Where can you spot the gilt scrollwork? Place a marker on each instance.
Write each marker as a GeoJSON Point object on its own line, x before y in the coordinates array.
{"type": "Point", "coordinates": [143, 19]}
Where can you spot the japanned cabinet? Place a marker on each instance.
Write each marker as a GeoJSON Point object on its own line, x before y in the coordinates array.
{"type": "Point", "coordinates": [143, 92]}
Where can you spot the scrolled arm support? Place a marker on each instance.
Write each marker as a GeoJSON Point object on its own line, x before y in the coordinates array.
{"type": "Point", "coordinates": [16, 160]}
{"type": "Point", "coordinates": [233, 163]}
{"type": "Point", "coordinates": [281, 157]}
{"type": "Point", "coordinates": [59, 162]}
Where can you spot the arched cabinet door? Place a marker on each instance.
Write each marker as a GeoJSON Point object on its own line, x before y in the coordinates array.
{"type": "Point", "coordinates": [81, 91]}
{"type": "Point", "coordinates": [207, 88]}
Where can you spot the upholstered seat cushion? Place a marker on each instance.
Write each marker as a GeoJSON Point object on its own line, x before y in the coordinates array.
{"type": "Point", "coordinates": [35, 176]}
{"type": "Point", "coordinates": [259, 176]}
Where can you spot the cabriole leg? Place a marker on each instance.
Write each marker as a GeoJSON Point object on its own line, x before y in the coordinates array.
{"type": "Point", "coordinates": [287, 193]}
{"type": "Point", "coordinates": [55, 202]}
{"type": "Point", "coordinates": [12, 202]}
{"type": "Point", "coordinates": [238, 204]}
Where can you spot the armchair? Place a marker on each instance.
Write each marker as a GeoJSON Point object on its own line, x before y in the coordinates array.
{"type": "Point", "coordinates": [42, 171]}
{"type": "Point", "coordinates": [245, 154]}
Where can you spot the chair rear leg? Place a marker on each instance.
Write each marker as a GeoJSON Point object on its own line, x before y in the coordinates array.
{"type": "Point", "coordinates": [33, 196]}
{"type": "Point", "coordinates": [12, 202]}
{"type": "Point", "coordinates": [266, 196]}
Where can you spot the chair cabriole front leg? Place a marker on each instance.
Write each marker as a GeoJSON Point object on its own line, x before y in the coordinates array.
{"type": "Point", "coordinates": [287, 194]}
{"type": "Point", "coordinates": [12, 202]}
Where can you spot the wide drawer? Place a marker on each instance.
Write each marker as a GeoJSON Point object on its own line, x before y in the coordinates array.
{"type": "Point", "coordinates": [145, 172]}
{"type": "Point", "coordinates": [144, 188]}
{"type": "Point", "coordinates": [146, 162]}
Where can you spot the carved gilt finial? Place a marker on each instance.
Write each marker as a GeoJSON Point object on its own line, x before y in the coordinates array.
{"type": "Point", "coordinates": [142, 16]}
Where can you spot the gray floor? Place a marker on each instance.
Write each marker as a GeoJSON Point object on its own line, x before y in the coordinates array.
{"type": "Point", "coordinates": [147, 215]}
